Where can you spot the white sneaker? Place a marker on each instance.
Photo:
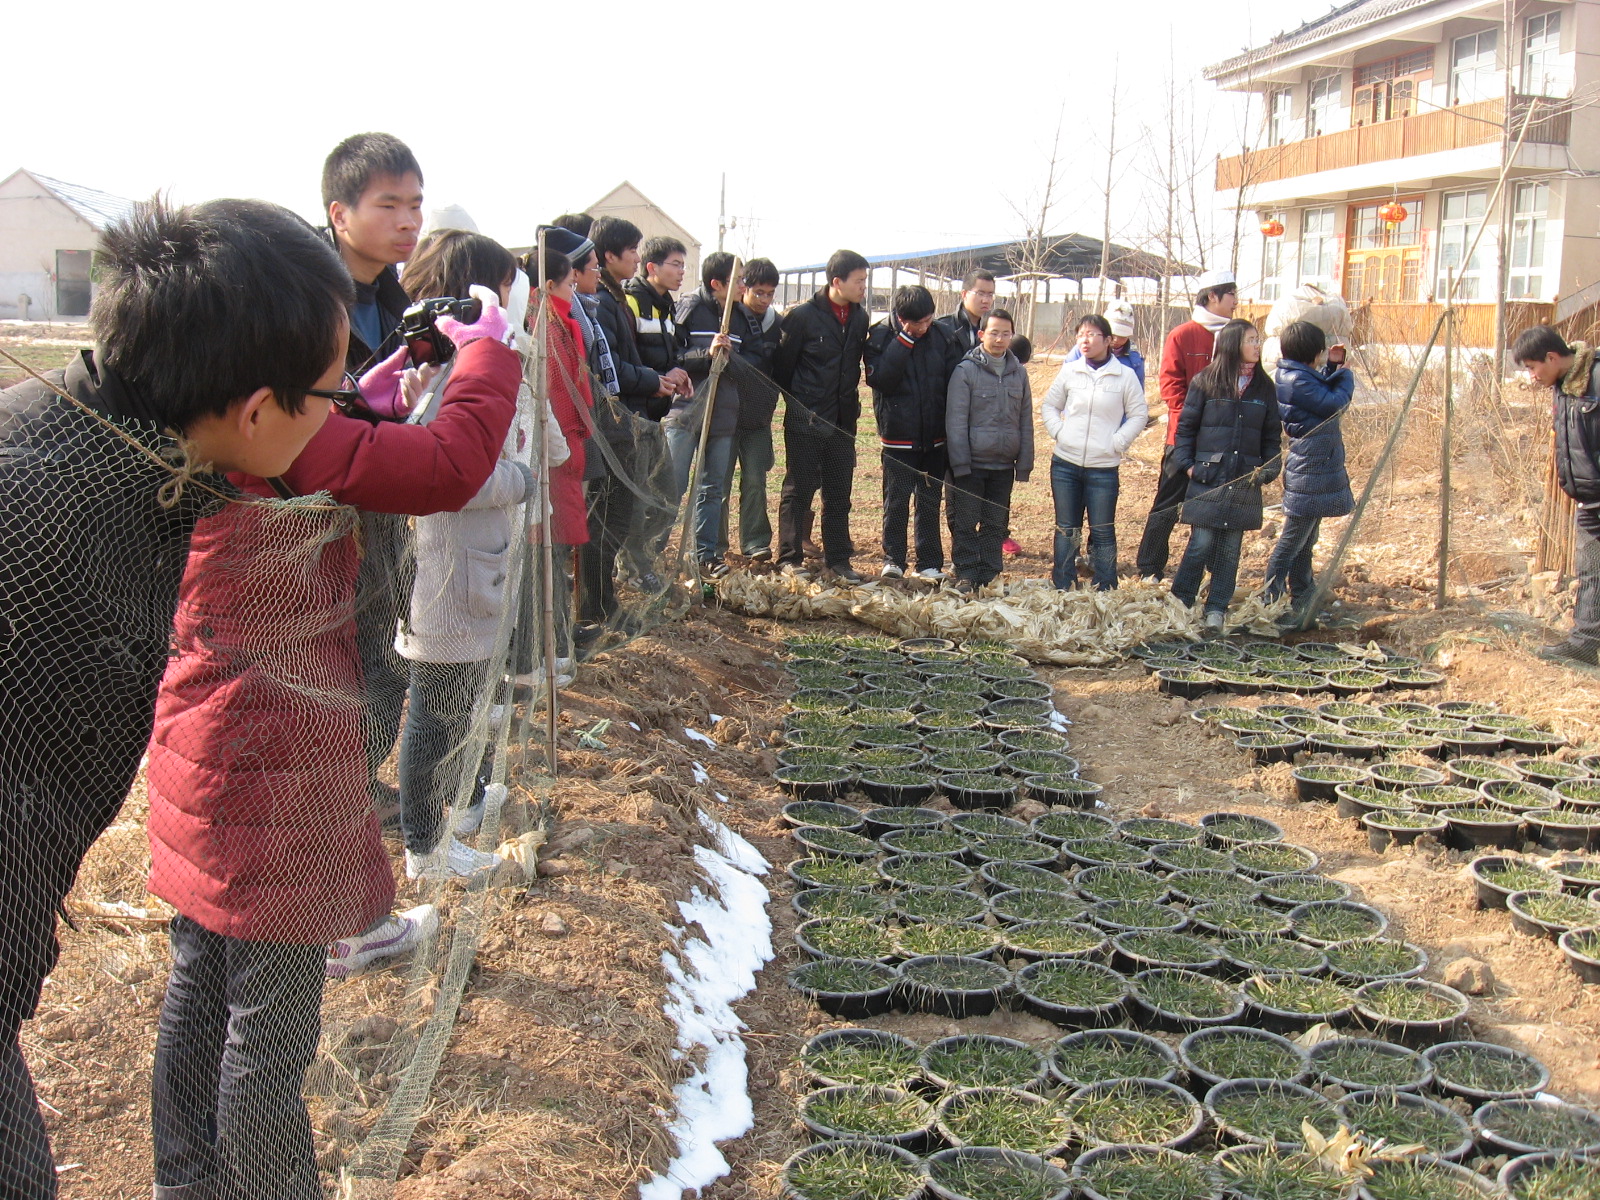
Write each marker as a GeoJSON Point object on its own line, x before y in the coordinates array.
{"type": "Point", "coordinates": [535, 678]}
{"type": "Point", "coordinates": [395, 934]}
{"type": "Point", "coordinates": [933, 573]}
{"type": "Point", "coordinates": [794, 571]}
{"type": "Point", "coordinates": [454, 859]}
{"type": "Point", "coordinates": [893, 570]}
{"type": "Point", "coordinates": [470, 818]}
{"type": "Point", "coordinates": [1213, 626]}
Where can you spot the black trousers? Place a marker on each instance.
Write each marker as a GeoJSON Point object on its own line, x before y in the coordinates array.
{"type": "Point", "coordinates": [979, 510]}
{"type": "Point", "coordinates": [27, 1171]}
{"type": "Point", "coordinates": [383, 585]}
{"type": "Point", "coordinates": [1586, 562]}
{"type": "Point", "coordinates": [610, 517]}
{"type": "Point", "coordinates": [238, 1030]}
{"type": "Point", "coordinates": [826, 463]}
{"type": "Point", "coordinates": [918, 474]}
{"type": "Point", "coordinates": [1154, 546]}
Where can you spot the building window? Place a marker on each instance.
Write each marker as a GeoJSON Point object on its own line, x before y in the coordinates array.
{"type": "Point", "coordinates": [1322, 105]}
{"type": "Point", "coordinates": [1271, 262]}
{"type": "Point", "coordinates": [1543, 73]}
{"type": "Point", "coordinates": [1529, 214]}
{"type": "Point", "coordinates": [1369, 231]}
{"type": "Point", "coordinates": [1318, 245]}
{"type": "Point", "coordinates": [1473, 76]}
{"type": "Point", "coordinates": [1280, 119]}
{"type": "Point", "coordinates": [1387, 90]}
{"type": "Point", "coordinates": [1460, 215]}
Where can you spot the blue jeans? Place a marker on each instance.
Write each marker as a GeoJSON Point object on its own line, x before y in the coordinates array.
{"type": "Point", "coordinates": [1218, 550]}
{"type": "Point", "coordinates": [434, 749]}
{"type": "Point", "coordinates": [1078, 490]}
{"type": "Point", "coordinates": [752, 450]}
{"type": "Point", "coordinates": [1290, 564]}
{"type": "Point", "coordinates": [682, 442]}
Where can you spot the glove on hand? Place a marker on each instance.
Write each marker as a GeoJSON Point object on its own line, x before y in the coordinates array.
{"type": "Point", "coordinates": [380, 386]}
{"type": "Point", "coordinates": [494, 324]}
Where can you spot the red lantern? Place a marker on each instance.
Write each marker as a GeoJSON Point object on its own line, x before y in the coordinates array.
{"type": "Point", "coordinates": [1272, 227]}
{"type": "Point", "coordinates": [1393, 212]}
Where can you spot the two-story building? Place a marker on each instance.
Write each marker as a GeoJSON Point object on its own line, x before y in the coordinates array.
{"type": "Point", "coordinates": [1384, 105]}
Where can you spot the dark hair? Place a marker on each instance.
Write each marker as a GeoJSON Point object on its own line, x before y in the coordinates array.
{"type": "Point", "coordinates": [1538, 343]}
{"type": "Point", "coordinates": [578, 223]}
{"type": "Point", "coordinates": [844, 263]}
{"type": "Point", "coordinates": [1096, 321]}
{"type": "Point", "coordinates": [912, 302]}
{"type": "Point", "coordinates": [614, 236]}
{"type": "Point", "coordinates": [718, 267]}
{"type": "Point", "coordinates": [199, 306]}
{"type": "Point", "coordinates": [348, 170]}
{"type": "Point", "coordinates": [760, 272]}
{"type": "Point", "coordinates": [995, 314]}
{"type": "Point", "coordinates": [1204, 297]}
{"type": "Point", "coordinates": [1302, 341]}
{"type": "Point", "coordinates": [1221, 377]}
{"type": "Point", "coordinates": [974, 275]}
{"type": "Point", "coordinates": [449, 261]}
{"type": "Point", "coordinates": [657, 249]}
{"type": "Point", "coordinates": [1021, 349]}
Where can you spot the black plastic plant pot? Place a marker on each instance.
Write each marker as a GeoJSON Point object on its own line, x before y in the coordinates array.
{"type": "Point", "coordinates": [978, 1060]}
{"type": "Point", "coordinates": [1132, 1172]}
{"type": "Point", "coordinates": [1563, 829]}
{"type": "Point", "coordinates": [1399, 776]}
{"type": "Point", "coordinates": [1061, 827]}
{"type": "Point", "coordinates": [862, 938]}
{"type": "Point", "coordinates": [815, 783]}
{"type": "Point", "coordinates": [1550, 914]}
{"type": "Point", "coordinates": [919, 645]}
{"type": "Point", "coordinates": [835, 843]}
{"type": "Point", "coordinates": [1186, 683]}
{"type": "Point", "coordinates": [1200, 1001]}
{"type": "Point", "coordinates": [907, 1108]}
{"type": "Point", "coordinates": [899, 788]}
{"type": "Point", "coordinates": [1154, 950]}
{"type": "Point", "coordinates": [1157, 831]}
{"type": "Point", "coordinates": [1268, 748]}
{"type": "Point", "coordinates": [952, 986]}
{"type": "Point", "coordinates": [1358, 1064]}
{"type": "Point", "coordinates": [1232, 918]}
{"type": "Point", "coordinates": [1228, 829]}
{"type": "Point", "coordinates": [817, 1172]}
{"type": "Point", "coordinates": [1048, 740]}
{"type": "Point", "coordinates": [1579, 876]}
{"type": "Point", "coordinates": [974, 791]}
{"type": "Point", "coordinates": [891, 817]}
{"type": "Point", "coordinates": [1371, 960]}
{"type": "Point", "coordinates": [1480, 827]}
{"type": "Point", "coordinates": [1535, 1124]}
{"type": "Point", "coordinates": [1202, 886]}
{"type": "Point", "coordinates": [923, 842]}
{"type": "Point", "coordinates": [988, 1172]}
{"type": "Point", "coordinates": [1348, 745]}
{"type": "Point", "coordinates": [1063, 791]}
{"type": "Point", "coordinates": [1355, 800]}
{"type": "Point", "coordinates": [1482, 1071]}
{"type": "Point", "coordinates": [1527, 1174]}
{"type": "Point", "coordinates": [1287, 1062]}
{"type": "Point", "coordinates": [1072, 993]}
{"type": "Point", "coordinates": [1040, 762]}
{"type": "Point", "coordinates": [1496, 876]}
{"type": "Point", "coordinates": [1534, 741]}
{"type": "Point", "coordinates": [843, 1057]}
{"type": "Point", "coordinates": [1424, 1178]}
{"type": "Point", "coordinates": [1297, 888]}
{"type": "Point", "coordinates": [815, 903]}
{"type": "Point", "coordinates": [1471, 741]}
{"type": "Point", "coordinates": [1250, 954]}
{"type": "Point", "coordinates": [1096, 1055]}
{"type": "Point", "coordinates": [1518, 795]}
{"type": "Point", "coordinates": [911, 871]}
{"type": "Point", "coordinates": [1125, 916]}
{"type": "Point", "coordinates": [915, 905]}
{"type": "Point", "coordinates": [1378, 1113]}
{"type": "Point", "coordinates": [824, 813]}
{"type": "Point", "coordinates": [1318, 783]}
{"type": "Point", "coordinates": [1185, 1117]}
{"type": "Point", "coordinates": [1300, 1002]}
{"type": "Point", "coordinates": [1263, 1112]}
{"type": "Point", "coordinates": [1095, 884]}
{"type": "Point", "coordinates": [1259, 860]}
{"type": "Point", "coordinates": [1580, 794]}
{"type": "Point", "coordinates": [1385, 829]}
{"type": "Point", "coordinates": [1104, 852]}
{"type": "Point", "coordinates": [1027, 851]}
{"type": "Point", "coordinates": [1249, 1172]}
{"type": "Point", "coordinates": [848, 988]}
{"type": "Point", "coordinates": [996, 1106]}
{"type": "Point", "coordinates": [1413, 1012]}
{"type": "Point", "coordinates": [1581, 947]}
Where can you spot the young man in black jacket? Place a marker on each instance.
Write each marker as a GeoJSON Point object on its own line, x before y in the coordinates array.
{"type": "Point", "coordinates": [1571, 374]}
{"type": "Point", "coordinates": [215, 323]}
{"type": "Point", "coordinates": [699, 328]}
{"type": "Point", "coordinates": [909, 361]}
{"type": "Point", "coordinates": [977, 298]}
{"type": "Point", "coordinates": [649, 297]}
{"type": "Point", "coordinates": [818, 365]}
{"type": "Point", "coordinates": [756, 322]}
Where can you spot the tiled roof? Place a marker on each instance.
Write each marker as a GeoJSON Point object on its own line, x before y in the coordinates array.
{"type": "Point", "coordinates": [96, 207]}
{"type": "Point", "coordinates": [1343, 17]}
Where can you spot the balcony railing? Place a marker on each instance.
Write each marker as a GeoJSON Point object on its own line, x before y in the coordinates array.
{"type": "Point", "coordinates": [1425, 133]}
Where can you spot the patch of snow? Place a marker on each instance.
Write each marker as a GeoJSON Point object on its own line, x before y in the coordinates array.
{"type": "Point", "coordinates": [700, 775]}
{"type": "Point", "coordinates": [720, 796]}
{"type": "Point", "coordinates": [633, 725]}
{"type": "Point", "coordinates": [714, 718]}
{"type": "Point", "coordinates": [1059, 721]}
{"type": "Point", "coordinates": [707, 975]}
{"type": "Point", "coordinates": [694, 735]}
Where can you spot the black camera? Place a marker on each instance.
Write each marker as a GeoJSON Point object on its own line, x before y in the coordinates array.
{"type": "Point", "coordinates": [419, 327]}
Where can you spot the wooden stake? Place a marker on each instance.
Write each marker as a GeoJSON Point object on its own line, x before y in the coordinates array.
{"type": "Point", "coordinates": [1440, 594]}
{"type": "Point", "coordinates": [688, 560]}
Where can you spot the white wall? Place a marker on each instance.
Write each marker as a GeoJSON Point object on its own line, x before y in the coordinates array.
{"type": "Point", "coordinates": [33, 226]}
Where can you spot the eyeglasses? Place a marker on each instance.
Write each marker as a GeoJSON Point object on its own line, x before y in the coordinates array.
{"type": "Point", "coordinates": [345, 398]}
{"type": "Point", "coordinates": [998, 333]}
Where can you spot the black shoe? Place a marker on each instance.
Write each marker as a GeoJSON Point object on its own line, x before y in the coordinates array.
{"type": "Point", "coordinates": [965, 586]}
{"type": "Point", "coordinates": [845, 573]}
{"type": "Point", "coordinates": [1570, 652]}
{"type": "Point", "coordinates": [713, 568]}
{"type": "Point", "coordinates": [649, 582]}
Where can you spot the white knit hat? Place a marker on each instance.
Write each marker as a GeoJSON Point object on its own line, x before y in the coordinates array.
{"type": "Point", "coordinates": [1213, 279]}
{"type": "Point", "coordinates": [1119, 315]}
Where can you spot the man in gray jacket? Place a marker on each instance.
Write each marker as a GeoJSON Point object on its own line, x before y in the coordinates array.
{"type": "Point", "coordinates": [989, 438]}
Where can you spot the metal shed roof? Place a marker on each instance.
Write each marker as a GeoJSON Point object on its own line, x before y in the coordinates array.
{"type": "Point", "coordinates": [1070, 256]}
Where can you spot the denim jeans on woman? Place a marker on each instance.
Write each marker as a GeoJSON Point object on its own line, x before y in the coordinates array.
{"type": "Point", "coordinates": [1079, 490]}
{"type": "Point", "coordinates": [1290, 564]}
{"type": "Point", "coordinates": [1218, 550]}
{"type": "Point", "coordinates": [434, 750]}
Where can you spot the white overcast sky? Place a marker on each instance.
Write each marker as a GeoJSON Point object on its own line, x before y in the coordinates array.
{"type": "Point", "coordinates": [881, 127]}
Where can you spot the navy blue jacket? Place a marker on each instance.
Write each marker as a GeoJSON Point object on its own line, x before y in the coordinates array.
{"type": "Point", "coordinates": [1231, 446]}
{"type": "Point", "coordinates": [1315, 482]}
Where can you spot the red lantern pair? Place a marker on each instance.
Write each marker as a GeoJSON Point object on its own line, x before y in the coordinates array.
{"type": "Point", "coordinates": [1393, 213]}
{"type": "Point", "coordinates": [1272, 227]}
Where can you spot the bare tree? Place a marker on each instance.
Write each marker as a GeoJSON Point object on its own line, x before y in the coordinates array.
{"type": "Point", "coordinates": [1032, 257]}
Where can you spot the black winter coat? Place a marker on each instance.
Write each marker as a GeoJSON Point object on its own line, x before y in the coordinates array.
{"type": "Point", "coordinates": [637, 384]}
{"type": "Point", "coordinates": [656, 329]}
{"type": "Point", "coordinates": [90, 564]}
{"type": "Point", "coordinates": [910, 383]}
{"type": "Point", "coordinates": [818, 365]}
{"type": "Point", "coordinates": [758, 343]}
{"type": "Point", "coordinates": [699, 320]}
{"type": "Point", "coordinates": [959, 327]}
{"type": "Point", "coordinates": [1577, 426]}
{"type": "Point", "coordinates": [1231, 446]}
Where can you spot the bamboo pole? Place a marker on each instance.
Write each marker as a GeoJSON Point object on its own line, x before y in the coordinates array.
{"type": "Point", "coordinates": [1440, 594]}
{"type": "Point", "coordinates": [719, 363]}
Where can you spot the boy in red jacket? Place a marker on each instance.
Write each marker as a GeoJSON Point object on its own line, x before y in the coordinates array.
{"type": "Point", "coordinates": [1186, 353]}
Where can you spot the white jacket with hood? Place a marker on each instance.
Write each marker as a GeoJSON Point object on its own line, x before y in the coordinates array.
{"type": "Point", "coordinates": [1094, 413]}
